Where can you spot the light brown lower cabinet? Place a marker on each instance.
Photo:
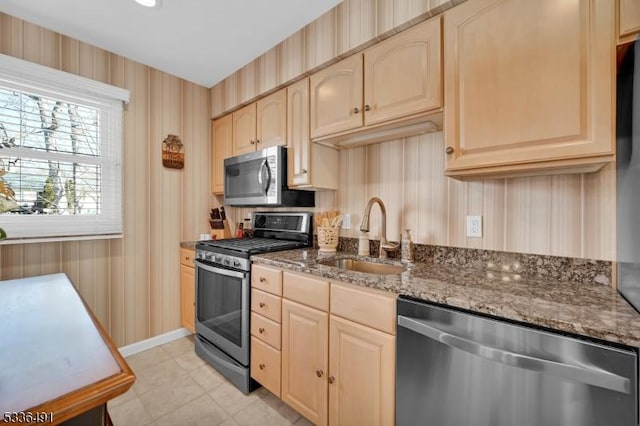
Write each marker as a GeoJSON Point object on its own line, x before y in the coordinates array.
{"type": "Point", "coordinates": [337, 371]}
{"type": "Point", "coordinates": [305, 360]}
{"type": "Point", "coordinates": [187, 289]}
{"type": "Point", "coordinates": [266, 312]}
{"type": "Point", "coordinates": [361, 374]}
{"type": "Point", "coordinates": [265, 365]}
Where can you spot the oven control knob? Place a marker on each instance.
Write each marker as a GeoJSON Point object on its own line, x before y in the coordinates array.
{"type": "Point", "coordinates": [208, 256]}
{"type": "Point", "coordinates": [227, 262]}
{"type": "Point", "coordinates": [236, 263]}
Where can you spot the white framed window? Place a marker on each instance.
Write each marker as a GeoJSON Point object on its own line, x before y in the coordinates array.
{"type": "Point", "coordinates": [60, 154]}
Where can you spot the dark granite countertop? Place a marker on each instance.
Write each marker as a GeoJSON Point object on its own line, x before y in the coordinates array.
{"type": "Point", "coordinates": [586, 309]}
{"type": "Point", "coordinates": [191, 245]}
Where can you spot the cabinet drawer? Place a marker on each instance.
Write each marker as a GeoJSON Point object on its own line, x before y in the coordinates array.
{"type": "Point", "coordinates": [187, 257]}
{"type": "Point", "coordinates": [266, 330]}
{"type": "Point", "coordinates": [265, 365]}
{"type": "Point", "coordinates": [267, 279]}
{"type": "Point", "coordinates": [307, 290]}
{"type": "Point", "coordinates": [266, 305]}
{"type": "Point", "coordinates": [365, 306]}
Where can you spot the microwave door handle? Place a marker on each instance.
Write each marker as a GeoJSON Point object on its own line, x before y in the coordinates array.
{"type": "Point", "coordinates": [264, 176]}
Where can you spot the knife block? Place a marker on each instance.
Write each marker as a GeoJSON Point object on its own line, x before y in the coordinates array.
{"type": "Point", "coordinates": [220, 229]}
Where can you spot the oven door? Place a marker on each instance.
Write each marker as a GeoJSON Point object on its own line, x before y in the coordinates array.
{"type": "Point", "coordinates": [222, 309]}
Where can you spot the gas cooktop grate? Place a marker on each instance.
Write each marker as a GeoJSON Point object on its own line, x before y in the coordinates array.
{"type": "Point", "coordinates": [252, 244]}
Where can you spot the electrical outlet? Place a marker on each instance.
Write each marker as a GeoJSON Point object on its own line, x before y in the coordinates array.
{"type": "Point", "coordinates": [346, 221]}
{"type": "Point", "coordinates": [474, 226]}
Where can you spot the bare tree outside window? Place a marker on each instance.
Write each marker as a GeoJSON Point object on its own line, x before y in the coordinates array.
{"type": "Point", "coordinates": [48, 156]}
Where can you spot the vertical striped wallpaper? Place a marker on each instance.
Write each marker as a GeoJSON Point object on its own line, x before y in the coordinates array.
{"type": "Point", "coordinates": [133, 283]}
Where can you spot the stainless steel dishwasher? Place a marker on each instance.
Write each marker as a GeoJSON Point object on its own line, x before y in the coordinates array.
{"type": "Point", "coordinates": [459, 369]}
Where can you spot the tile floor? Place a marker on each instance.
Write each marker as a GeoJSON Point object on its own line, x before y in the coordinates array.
{"type": "Point", "coordinates": [174, 387]}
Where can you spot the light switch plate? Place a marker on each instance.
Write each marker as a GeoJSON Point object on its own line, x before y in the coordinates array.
{"type": "Point", "coordinates": [474, 226]}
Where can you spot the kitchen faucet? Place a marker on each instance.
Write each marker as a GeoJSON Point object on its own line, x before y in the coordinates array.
{"type": "Point", "coordinates": [385, 246]}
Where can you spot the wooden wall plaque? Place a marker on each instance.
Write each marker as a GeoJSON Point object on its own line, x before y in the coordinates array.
{"type": "Point", "coordinates": [173, 152]}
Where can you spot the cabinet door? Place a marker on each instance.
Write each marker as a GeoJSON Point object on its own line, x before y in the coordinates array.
{"type": "Point", "coordinates": [361, 375]}
{"type": "Point", "coordinates": [222, 139]}
{"type": "Point", "coordinates": [272, 120]}
{"type": "Point", "coordinates": [305, 360]}
{"type": "Point", "coordinates": [336, 97]}
{"type": "Point", "coordinates": [244, 130]}
{"type": "Point", "coordinates": [402, 74]}
{"type": "Point", "coordinates": [188, 296]}
{"type": "Point", "coordinates": [528, 85]}
{"type": "Point", "coordinates": [629, 24]}
{"type": "Point", "coordinates": [310, 164]}
{"type": "Point", "coordinates": [298, 132]}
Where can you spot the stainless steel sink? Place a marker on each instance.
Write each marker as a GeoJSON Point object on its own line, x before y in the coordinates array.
{"type": "Point", "coordinates": [364, 266]}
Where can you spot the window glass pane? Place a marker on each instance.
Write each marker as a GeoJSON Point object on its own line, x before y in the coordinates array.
{"type": "Point", "coordinates": [52, 187]}
{"type": "Point", "coordinates": [40, 186]}
{"type": "Point", "coordinates": [49, 125]}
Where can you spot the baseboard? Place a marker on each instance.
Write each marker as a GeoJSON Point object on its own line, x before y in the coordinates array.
{"type": "Point", "coordinates": [147, 344]}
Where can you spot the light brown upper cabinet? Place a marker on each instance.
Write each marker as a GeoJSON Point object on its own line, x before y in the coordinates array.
{"type": "Point", "coordinates": [628, 20]}
{"type": "Point", "coordinates": [528, 87]}
{"type": "Point", "coordinates": [222, 139]}
{"type": "Point", "coordinates": [244, 130]}
{"type": "Point", "coordinates": [336, 97]}
{"type": "Point", "coordinates": [402, 75]}
{"type": "Point", "coordinates": [397, 78]}
{"type": "Point", "coordinates": [261, 124]}
{"type": "Point", "coordinates": [310, 165]}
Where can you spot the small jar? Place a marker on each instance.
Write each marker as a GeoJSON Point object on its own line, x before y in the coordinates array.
{"type": "Point", "coordinates": [406, 247]}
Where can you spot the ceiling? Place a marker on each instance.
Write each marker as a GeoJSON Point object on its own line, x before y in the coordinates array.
{"type": "Point", "coordinates": [202, 41]}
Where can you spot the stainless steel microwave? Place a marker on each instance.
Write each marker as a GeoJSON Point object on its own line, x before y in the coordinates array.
{"type": "Point", "coordinates": [260, 179]}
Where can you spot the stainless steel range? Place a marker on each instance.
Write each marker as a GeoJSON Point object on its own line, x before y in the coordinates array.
{"type": "Point", "coordinates": [223, 290]}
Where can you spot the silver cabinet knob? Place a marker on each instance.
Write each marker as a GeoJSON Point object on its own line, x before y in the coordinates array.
{"type": "Point", "coordinates": [252, 142]}
{"type": "Point", "coordinates": [304, 171]}
{"type": "Point", "coordinates": [367, 108]}
{"type": "Point", "coordinates": [356, 110]}
{"type": "Point", "coordinates": [449, 150]}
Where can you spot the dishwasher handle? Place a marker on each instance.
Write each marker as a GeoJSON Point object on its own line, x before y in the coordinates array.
{"type": "Point", "coordinates": [584, 374]}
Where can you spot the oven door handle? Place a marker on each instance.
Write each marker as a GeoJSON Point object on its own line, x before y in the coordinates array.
{"type": "Point", "coordinates": [220, 271]}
